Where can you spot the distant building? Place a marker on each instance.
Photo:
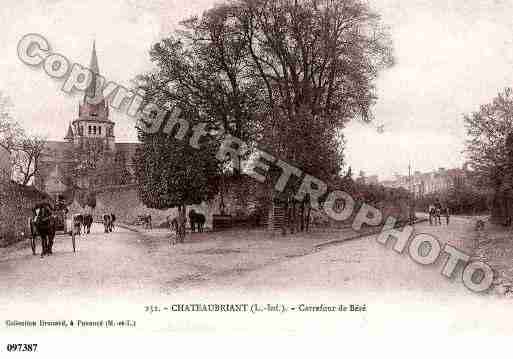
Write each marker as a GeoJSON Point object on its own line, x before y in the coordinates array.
{"type": "Point", "coordinates": [422, 184]}
{"type": "Point", "coordinates": [92, 130]}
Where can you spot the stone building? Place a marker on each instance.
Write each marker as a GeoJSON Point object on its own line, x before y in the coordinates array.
{"type": "Point", "coordinates": [91, 131]}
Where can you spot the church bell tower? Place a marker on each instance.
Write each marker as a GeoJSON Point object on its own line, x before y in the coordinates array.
{"type": "Point", "coordinates": [93, 126]}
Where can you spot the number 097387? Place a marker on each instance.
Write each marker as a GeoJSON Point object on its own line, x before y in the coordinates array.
{"type": "Point", "coordinates": [21, 347]}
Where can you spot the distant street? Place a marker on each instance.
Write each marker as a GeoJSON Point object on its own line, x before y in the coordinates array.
{"type": "Point", "coordinates": [364, 265]}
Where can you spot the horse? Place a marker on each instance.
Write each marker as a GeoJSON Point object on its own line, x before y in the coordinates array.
{"type": "Point", "coordinates": [87, 223]}
{"type": "Point", "coordinates": [45, 225]}
{"type": "Point", "coordinates": [107, 222]}
{"type": "Point", "coordinates": [197, 221]}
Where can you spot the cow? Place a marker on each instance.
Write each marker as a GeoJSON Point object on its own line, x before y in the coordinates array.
{"type": "Point", "coordinates": [197, 221]}
{"type": "Point", "coordinates": [107, 222]}
{"type": "Point", "coordinates": [87, 223]}
{"type": "Point", "coordinates": [45, 224]}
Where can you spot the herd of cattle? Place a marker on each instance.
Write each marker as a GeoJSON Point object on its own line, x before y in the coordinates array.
{"type": "Point", "coordinates": [43, 223]}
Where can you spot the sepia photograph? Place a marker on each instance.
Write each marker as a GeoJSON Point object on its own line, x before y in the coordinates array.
{"type": "Point", "coordinates": [175, 174]}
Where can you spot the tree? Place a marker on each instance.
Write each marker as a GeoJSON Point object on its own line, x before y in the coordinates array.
{"type": "Point", "coordinates": [10, 131]}
{"type": "Point", "coordinates": [26, 156]}
{"type": "Point", "coordinates": [203, 66]}
{"type": "Point", "coordinates": [25, 150]}
{"type": "Point", "coordinates": [317, 61]}
{"type": "Point", "coordinates": [490, 152]}
{"type": "Point", "coordinates": [285, 74]}
{"type": "Point", "coordinates": [170, 173]}
{"type": "Point", "coordinates": [487, 130]}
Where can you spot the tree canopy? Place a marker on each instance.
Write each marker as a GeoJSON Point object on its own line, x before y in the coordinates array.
{"type": "Point", "coordinates": [486, 147]}
{"type": "Point", "coordinates": [24, 149]}
{"type": "Point", "coordinates": [284, 76]}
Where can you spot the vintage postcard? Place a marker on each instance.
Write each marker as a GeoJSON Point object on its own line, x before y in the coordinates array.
{"type": "Point", "coordinates": [172, 172]}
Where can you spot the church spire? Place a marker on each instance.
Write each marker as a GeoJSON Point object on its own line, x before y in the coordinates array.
{"type": "Point", "coordinates": [93, 66]}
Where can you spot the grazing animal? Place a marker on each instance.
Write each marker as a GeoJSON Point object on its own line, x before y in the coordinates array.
{"type": "Point", "coordinates": [87, 222]}
{"type": "Point", "coordinates": [107, 222]}
{"type": "Point", "coordinates": [197, 221]}
{"type": "Point", "coordinates": [44, 224]}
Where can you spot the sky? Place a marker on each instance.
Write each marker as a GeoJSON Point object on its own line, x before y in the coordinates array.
{"type": "Point", "coordinates": [451, 57]}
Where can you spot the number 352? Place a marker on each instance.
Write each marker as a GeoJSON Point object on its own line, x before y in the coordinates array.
{"type": "Point", "coordinates": [21, 347]}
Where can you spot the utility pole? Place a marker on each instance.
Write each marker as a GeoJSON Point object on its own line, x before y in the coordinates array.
{"type": "Point", "coordinates": [412, 196]}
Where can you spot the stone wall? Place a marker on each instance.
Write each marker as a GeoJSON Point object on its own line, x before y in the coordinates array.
{"type": "Point", "coordinates": [16, 203]}
{"type": "Point", "coordinates": [124, 202]}
{"type": "Point", "coordinates": [241, 198]}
